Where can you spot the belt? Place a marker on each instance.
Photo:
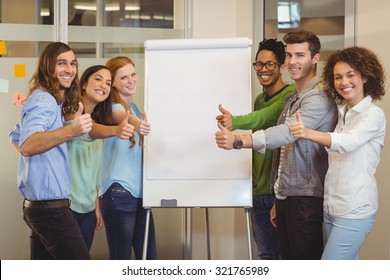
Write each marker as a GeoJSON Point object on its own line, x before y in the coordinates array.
{"type": "Point", "coordinates": [46, 203]}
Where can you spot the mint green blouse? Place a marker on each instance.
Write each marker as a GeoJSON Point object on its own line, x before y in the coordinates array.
{"type": "Point", "coordinates": [85, 157]}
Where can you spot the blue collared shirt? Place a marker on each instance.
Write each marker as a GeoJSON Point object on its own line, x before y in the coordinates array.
{"type": "Point", "coordinates": [122, 164]}
{"type": "Point", "coordinates": [44, 176]}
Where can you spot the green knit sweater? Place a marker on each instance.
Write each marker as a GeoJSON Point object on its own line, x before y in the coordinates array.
{"type": "Point", "coordinates": [265, 115]}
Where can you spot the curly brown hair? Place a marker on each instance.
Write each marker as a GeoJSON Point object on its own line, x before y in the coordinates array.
{"type": "Point", "coordinates": [362, 60]}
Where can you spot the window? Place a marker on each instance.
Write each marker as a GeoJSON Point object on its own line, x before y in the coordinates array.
{"type": "Point", "coordinates": [288, 15]}
{"type": "Point", "coordinates": [95, 29]}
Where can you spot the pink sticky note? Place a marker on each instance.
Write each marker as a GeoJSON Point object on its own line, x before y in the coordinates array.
{"type": "Point", "coordinates": [19, 98]}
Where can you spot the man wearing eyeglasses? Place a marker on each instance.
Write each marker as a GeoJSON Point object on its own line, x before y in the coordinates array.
{"type": "Point", "coordinates": [299, 166]}
{"type": "Point", "coordinates": [268, 105]}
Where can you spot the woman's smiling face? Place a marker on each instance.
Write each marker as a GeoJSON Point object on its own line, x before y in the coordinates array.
{"type": "Point", "coordinates": [125, 81]}
{"type": "Point", "coordinates": [349, 83]}
{"type": "Point", "coordinates": [98, 86]}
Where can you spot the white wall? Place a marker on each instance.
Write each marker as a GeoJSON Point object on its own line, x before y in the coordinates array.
{"type": "Point", "coordinates": [373, 32]}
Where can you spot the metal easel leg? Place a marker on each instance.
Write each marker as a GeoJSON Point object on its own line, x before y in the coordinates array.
{"type": "Point", "coordinates": [145, 248]}
{"type": "Point", "coordinates": [208, 233]}
{"type": "Point", "coordinates": [187, 254]}
{"type": "Point", "coordinates": [248, 229]}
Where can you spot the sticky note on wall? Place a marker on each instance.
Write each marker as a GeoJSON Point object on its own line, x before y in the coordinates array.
{"type": "Point", "coordinates": [20, 70]}
{"type": "Point", "coordinates": [3, 49]}
{"type": "Point", "coordinates": [19, 98]}
{"type": "Point", "coordinates": [4, 86]}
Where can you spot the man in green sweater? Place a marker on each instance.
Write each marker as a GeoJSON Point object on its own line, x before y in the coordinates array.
{"type": "Point", "coordinates": [269, 104]}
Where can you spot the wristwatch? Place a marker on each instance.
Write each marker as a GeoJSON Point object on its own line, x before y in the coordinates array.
{"type": "Point", "coordinates": [237, 144]}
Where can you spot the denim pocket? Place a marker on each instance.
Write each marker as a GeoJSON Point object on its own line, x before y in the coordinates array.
{"type": "Point", "coordinates": [117, 198]}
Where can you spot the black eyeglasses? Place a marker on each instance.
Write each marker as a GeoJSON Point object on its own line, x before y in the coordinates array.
{"type": "Point", "coordinates": [270, 65]}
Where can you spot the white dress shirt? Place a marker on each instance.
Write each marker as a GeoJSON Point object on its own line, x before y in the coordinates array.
{"type": "Point", "coordinates": [350, 184]}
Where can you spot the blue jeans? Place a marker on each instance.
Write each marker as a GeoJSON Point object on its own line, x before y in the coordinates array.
{"type": "Point", "coordinates": [125, 221]}
{"type": "Point", "coordinates": [264, 233]}
{"type": "Point", "coordinates": [55, 234]}
{"type": "Point", "coordinates": [345, 237]}
{"type": "Point", "coordinates": [87, 224]}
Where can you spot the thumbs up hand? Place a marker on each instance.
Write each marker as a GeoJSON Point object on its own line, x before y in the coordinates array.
{"type": "Point", "coordinates": [298, 129]}
{"type": "Point", "coordinates": [298, 116]}
{"type": "Point", "coordinates": [224, 138]}
{"type": "Point", "coordinates": [226, 118]}
{"type": "Point", "coordinates": [144, 126]}
{"type": "Point", "coordinates": [125, 130]}
{"type": "Point", "coordinates": [82, 122]}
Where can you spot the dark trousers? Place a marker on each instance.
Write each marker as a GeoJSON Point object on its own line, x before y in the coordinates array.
{"type": "Point", "coordinates": [299, 227]}
{"type": "Point", "coordinates": [87, 224]}
{"type": "Point", "coordinates": [55, 234]}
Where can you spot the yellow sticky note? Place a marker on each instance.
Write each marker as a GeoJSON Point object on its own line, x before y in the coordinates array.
{"type": "Point", "coordinates": [20, 70]}
{"type": "Point", "coordinates": [3, 49]}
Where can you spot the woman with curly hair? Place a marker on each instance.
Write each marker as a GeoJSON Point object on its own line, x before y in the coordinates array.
{"type": "Point", "coordinates": [355, 77]}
